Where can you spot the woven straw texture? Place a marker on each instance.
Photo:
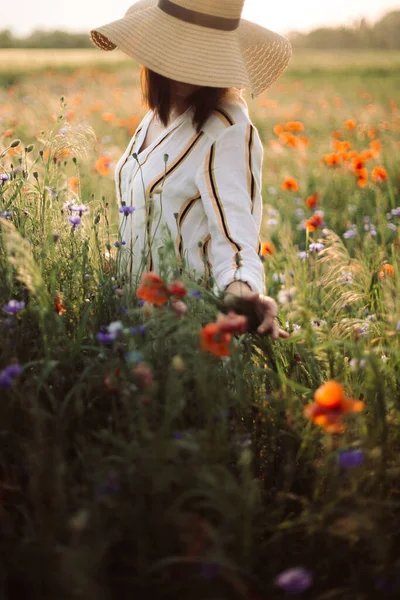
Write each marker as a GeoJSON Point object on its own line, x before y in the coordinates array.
{"type": "Point", "coordinates": [250, 57]}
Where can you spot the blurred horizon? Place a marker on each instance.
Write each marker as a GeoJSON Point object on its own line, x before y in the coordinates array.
{"type": "Point", "coordinates": [288, 18]}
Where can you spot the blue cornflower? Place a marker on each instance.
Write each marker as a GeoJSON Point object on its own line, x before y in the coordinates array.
{"type": "Point", "coordinates": [13, 371]}
{"type": "Point", "coordinates": [82, 209]}
{"type": "Point", "coordinates": [126, 210]}
{"type": "Point", "coordinates": [5, 380]}
{"type": "Point", "coordinates": [302, 255]}
{"type": "Point", "coordinates": [350, 459]}
{"type": "Point", "coordinates": [119, 244]}
{"type": "Point", "coordinates": [294, 580]}
{"type": "Point", "coordinates": [6, 214]}
{"type": "Point", "coordinates": [350, 234]}
{"type": "Point", "coordinates": [109, 334]}
{"type": "Point", "coordinates": [195, 293]}
{"type": "Point", "coordinates": [316, 247]}
{"type": "Point", "coordinates": [139, 329]}
{"type": "Point", "coordinates": [75, 221]}
{"type": "Point", "coordinates": [8, 374]}
{"type": "Point", "coordinates": [13, 307]}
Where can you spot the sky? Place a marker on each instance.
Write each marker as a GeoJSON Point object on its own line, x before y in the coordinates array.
{"type": "Point", "coordinates": [283, 16]}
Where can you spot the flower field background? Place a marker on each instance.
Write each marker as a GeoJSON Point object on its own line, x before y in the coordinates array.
{"type": "Point", "coordinates": [152, 446]}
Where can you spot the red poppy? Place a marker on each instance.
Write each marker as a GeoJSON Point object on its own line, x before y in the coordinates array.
{"type": "Point", "coordinates": [59, 306]}
{"type": "Point", "coordinates": [213, 340]}
{"type": "Point", "coordinates": [313, 222]}
{"type": "Point", "coordinates": [177, 288]}
{"type": "Point", "coordinates": [331, 403]}
{"type": "Point", "coordinates": [379, 174]}
{"type": "Point", "coordinates": [312, 201]}
{"type": "Point", "coordinates": [290, 184]}
{"type": "Point", "coordinates": [153, 289]}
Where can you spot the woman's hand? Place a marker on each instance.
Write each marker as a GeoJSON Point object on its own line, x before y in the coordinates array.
{"type": "Point", "coordinates": [265, 308]}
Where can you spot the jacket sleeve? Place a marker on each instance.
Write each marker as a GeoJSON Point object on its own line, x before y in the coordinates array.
{"type": "Point", "coordinates": [229, 182]}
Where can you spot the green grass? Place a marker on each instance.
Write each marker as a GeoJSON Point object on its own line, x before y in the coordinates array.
{"type": "Point", "coordinates": [148, 466]}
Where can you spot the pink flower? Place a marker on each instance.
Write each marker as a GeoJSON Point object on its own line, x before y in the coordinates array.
{"type": "Point", "coordinates": [179, 307]}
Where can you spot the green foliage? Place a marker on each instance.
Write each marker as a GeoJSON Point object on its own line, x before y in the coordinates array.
{"type": "Point", "coordinates": [149, 467]}
{"type": "Point", "coordinates": [381, 35]}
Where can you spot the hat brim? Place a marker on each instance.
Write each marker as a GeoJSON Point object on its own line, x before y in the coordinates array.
{"type": "Point", "coordinates": [250, 57]}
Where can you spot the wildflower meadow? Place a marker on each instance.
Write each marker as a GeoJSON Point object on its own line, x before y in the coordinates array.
{"type": "Point", "coordinates": [152, 444]}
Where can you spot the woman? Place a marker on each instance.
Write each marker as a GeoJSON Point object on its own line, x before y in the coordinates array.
{"type": "Point", "coordinates": [193, 168]}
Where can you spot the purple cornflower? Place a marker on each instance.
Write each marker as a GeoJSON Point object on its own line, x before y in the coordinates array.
{"type": "Point", "coordinates": [82, 209]}
{"type": "Point", "coordinates": [140, 329]}
{"type": "Point", "coordinates": [5, 380]}
{"type": "Point", "coordinates": [13, 370]}
{"type": "Point", "coordinates": [75, 221]}
{"type": "Point", "coordinates": [351, 459]}
{"type": "Point", "coordinates": [396, 211]}
{"type": "Point", "coordinates": [13, 307]}
{"type": "Point", "coordinates": [126, 210]}
{"type": "Point", "coordinates": [4, 177]}
{"type": "Point", "coordinates": [104, 337]}
{"type": "Point", "coordinates": [316, 247]}
{"type": "Point", "coordinates": [302, 255]}
{"type": "Point", "coordinates": [294, 580]}
{"type": "Point", "coordinates": [195, 293]}
{"type": "Point", "coordinates": [350, 234]}
{"type": "Point", "coordinates": [119, 244]}
{"type": "Point", "coordinates": [109, 334]}
{"type": "Point", "coordinates": [8, 374]}
{"type": "Point", "coordinates": [6, 214]}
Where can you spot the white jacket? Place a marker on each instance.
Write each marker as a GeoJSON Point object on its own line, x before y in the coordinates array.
{"type": "Point", "coordinates": [210, 203]}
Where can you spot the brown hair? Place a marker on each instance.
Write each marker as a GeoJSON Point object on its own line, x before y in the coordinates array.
{"type": "Point", "coordinates": [156, 93]}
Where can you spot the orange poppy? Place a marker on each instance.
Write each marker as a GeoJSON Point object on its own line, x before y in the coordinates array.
{"type": "Point", "coordinates": [290, 184]}
{"type": "Point", "coordinates": [153, 289]}
{"type": "Point", "coordinates": [357, 163]}
{"type": "Point", "coordinates": [279, 129]}
{"type": "Point", "coordinates": [266, 249]}
{"type": "Point", "coordinates": [59, 306]}
{"type": "Point", "coordinates": [341, 146]}
{"type": "Point", "coordinates": [333, 159]}
{"type": "Point", "coordinates": [372, 133]}
{"type": "Point", "coordinates": [350, 124]}
{"type": "Point", "coordinates": [73, 183]}
{"type": "Point", "coordinates": [302, 140]}
{"type": "Point", "coordinates": [362, 177]}
{"type": "Point", "coordinates": [367, 154]}
{"type": "Point", "coordinates": [387, 270]}
{"type": "Point", "coordinates": [102, 165]}
{"type": "Point", "coordinates": [295, 126]}
{"type": "Point", "coordinates": [313, 222]}
{"type": "Point", "coordinates": [133, 123]}
{"type": "Point", "coordinates": [108, 117]}
{"type": "Point", "coordinates": [312, 201]}
{"type": "Point", "coordinates": [376, 148]}
{"type": "Point", "coordinates": [213, 340]}
{"type": "Point", "coordinates": [379, 174]}
{"type": "Point", "coordinates": [329, 406]}
{"type": "Point", "coordinates": [288, 138]}
{"type": "Point", "coordinates": [8, 133]}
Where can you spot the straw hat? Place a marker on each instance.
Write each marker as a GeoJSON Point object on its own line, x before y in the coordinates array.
{"type": "Point", "coordinates": [202, 42]}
